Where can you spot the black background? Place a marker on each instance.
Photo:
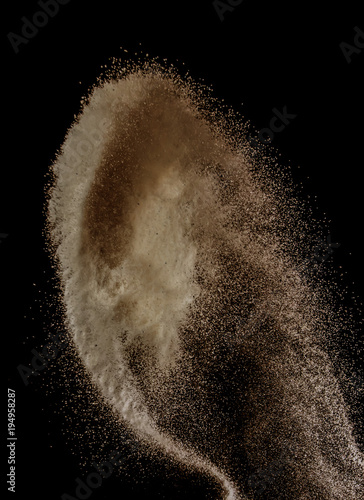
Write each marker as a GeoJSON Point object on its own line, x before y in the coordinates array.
{"type": "Point", "coordinates": [265, 55]}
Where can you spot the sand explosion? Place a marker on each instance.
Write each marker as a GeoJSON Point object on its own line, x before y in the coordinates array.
{"type": "Point", "coordinates": [186, 297]}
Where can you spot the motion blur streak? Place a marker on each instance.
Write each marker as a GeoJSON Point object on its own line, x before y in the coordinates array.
{"type": "Point", "coordinates": [184, 304]}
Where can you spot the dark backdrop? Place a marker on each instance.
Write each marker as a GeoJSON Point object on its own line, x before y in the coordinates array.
{"type": "Point", "coordinates": [263, 54]}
